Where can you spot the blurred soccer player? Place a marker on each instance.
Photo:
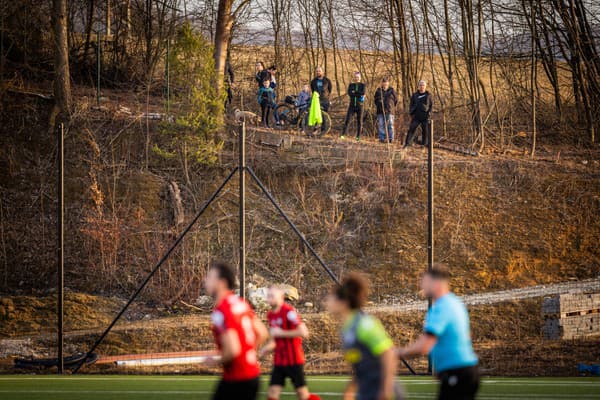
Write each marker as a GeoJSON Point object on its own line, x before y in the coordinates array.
{"type": "Point", "coordinates": [237, 332]}
{"type": "Point", "coordinates": [366, 344]}
{"type": "Point", "coordinates": [447, 338]}
{"type": "Point", "coordinates": [287, 331]}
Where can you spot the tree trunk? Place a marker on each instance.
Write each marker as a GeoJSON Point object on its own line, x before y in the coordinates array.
{"type": "Point", "coordinates": [222, 33]}
{"type": "Point", "coordinates": [62, 79]}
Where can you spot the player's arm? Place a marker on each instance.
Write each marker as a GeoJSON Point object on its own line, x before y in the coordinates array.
{"type": "Point", "coordinates": [389, 363]}
{"type": "Point", "coordinates": [262, 334]}
{"type": "Point", "coordinates": [301, 331]}
{"type": "Point", "coordinates": [436, 322]}
{"type": "Point", "coordinates": [267, 348]}
{"type": "Point", "coordinates": [422, 346]}
{"type": "Point", "coordinates": [230, 346]}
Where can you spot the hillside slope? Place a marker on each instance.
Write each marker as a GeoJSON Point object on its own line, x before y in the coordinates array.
{"type": "Point", "coordinates": [501, 221]}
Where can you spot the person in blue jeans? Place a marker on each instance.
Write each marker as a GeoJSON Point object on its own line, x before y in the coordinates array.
{"type": "Point", "coordinates": [303, 99]}
{"type": "Point", "coordinates": [446, 338]}
{"type": "Point", "coordinates": [385, 102]}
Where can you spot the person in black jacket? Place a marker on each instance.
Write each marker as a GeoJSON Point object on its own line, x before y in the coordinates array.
{"type": "Point", "coordinates": [421, 104]}
{"type": "Point", "coordinates": [356, 92]}
{"type": "Point", "coordinates": [229, 82]}
{"type": "Point", "coordinates": [322, 85]}
{"type": "Point", "coordinates": [385, 102]}
{"type": "Point", "coordinates": [261, 74]}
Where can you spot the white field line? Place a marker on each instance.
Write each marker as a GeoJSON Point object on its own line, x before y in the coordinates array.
{"type": "Point", "coordinates": [324, 394]}
{"type": "Point", "coordinates": [411, 381]}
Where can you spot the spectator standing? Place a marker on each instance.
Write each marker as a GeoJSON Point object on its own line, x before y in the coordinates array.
{"type": "Point", "coordinates": [272, 70]}
{"type": "Point", "coordinates": [229, 80]}
{"type": "Point", "coordinates": [421, 104]}
{"type": "Point", "coordinates": [303, 99]}
{"type": "Point", "coordinates": [356, 93]}
{"type": "Point", "coordinates": [385, 102]}
{"type": "Point", "coordinates": [266, 100]}
{"type": "Point", "coordinates": [261, 74]}
{"type": "Point", "coordinates": [322, 85]}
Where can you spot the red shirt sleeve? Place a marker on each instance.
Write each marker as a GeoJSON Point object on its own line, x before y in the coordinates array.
{"type": "Point", "coordinates": [292, 318]}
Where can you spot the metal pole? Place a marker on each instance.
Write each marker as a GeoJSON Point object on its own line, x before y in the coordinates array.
{"type": "Point", "coordinates": [156, 268]}
{"type": "Point", "coordinates": [242, 167]}
{"type": "Point", "coordinates": [98, 66]}
{"type": "Point", "coordinates": [303, 239]}
{"type": "Point", "coordinates": [430, 215]}
{"type": "Point", "coordinates": [61, 243]}
{"type": "Point", "coordinates": [291, 224]}
{"type": "Point", "coordinates": [167, 78]}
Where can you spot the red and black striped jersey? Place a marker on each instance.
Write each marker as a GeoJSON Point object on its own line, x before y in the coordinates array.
{"type": "Point", "coordinates": [288, 351]}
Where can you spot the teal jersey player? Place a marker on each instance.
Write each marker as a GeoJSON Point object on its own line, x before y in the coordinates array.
{"type": "Point", "coordinates": [448, 320]}
{"type": "Point", "coordinates": [446, 338]}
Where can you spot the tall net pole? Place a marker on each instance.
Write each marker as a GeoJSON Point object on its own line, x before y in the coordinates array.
{"type": "Point", "coordinates": [61, 242]}
{"type": "Point", "coordinates": [430, 206]}
{"type": "Point", "coordinates": [242, 234]}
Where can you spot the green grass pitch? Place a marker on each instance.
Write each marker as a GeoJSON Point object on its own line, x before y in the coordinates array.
{"type": "Point", "coordinates": [133, 387]}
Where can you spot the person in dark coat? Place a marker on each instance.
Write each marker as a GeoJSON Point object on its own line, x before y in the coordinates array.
{"type": "Point", "coordinates": [356, 92]}
{"type": "Point", "coordinates": [322, 85]}
{"type": "Point", "coordinates": [385, 101]}
{"type": "Point", "coordinates": [421, 104]}
{"type": "Point", "coordinates": [229, 80]}
{"type": "Point", "coordinates": [261, 74]}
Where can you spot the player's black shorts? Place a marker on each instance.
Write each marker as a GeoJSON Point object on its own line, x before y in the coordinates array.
{"type": "Point", "coordinates": [294, 372]}
{"type": "Point", "coordinates": [239, 390]}
{"type": "Point", "coordinates": [459, 383]}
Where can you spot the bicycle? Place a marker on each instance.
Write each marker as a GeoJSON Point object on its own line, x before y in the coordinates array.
{"type": "Point", "coordinates": [291, 114]}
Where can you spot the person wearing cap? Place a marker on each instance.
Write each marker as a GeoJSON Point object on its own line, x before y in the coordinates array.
{"type": "Point", "coordinates": [385, 101]}
{"type": "Point", "coordinates": [446, 338]}
{"type": "Point", "coordinates": [356, 92]}
{"type": "Point", "coordinates": [421, 104]}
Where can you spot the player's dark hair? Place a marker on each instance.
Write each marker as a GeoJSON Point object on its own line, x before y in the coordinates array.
{"type": "Point", "coordinates": [354, 290]}
{"type": "Point", "coordinates": [225, 272]}
{"type": "Point", "coordinates": [439, 271]}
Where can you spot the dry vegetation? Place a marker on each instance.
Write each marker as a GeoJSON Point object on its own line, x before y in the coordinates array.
{"type": "Point", "coordinates": [506, 219]}
{"type": "Point", "coordinates": [507, 336]}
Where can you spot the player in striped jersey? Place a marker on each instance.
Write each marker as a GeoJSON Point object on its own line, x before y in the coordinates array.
{"type": "Point", "coordinates": [287, 331]}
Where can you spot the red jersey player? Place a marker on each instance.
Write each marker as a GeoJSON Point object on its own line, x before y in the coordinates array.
{"type": "Point", "coordinates": [287, 332]}
{"type": "Point", "coordinates": [237, 333]}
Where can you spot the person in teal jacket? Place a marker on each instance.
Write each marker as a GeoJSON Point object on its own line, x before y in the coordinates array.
{"type": "Point", "coordinates": [266, 100]}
